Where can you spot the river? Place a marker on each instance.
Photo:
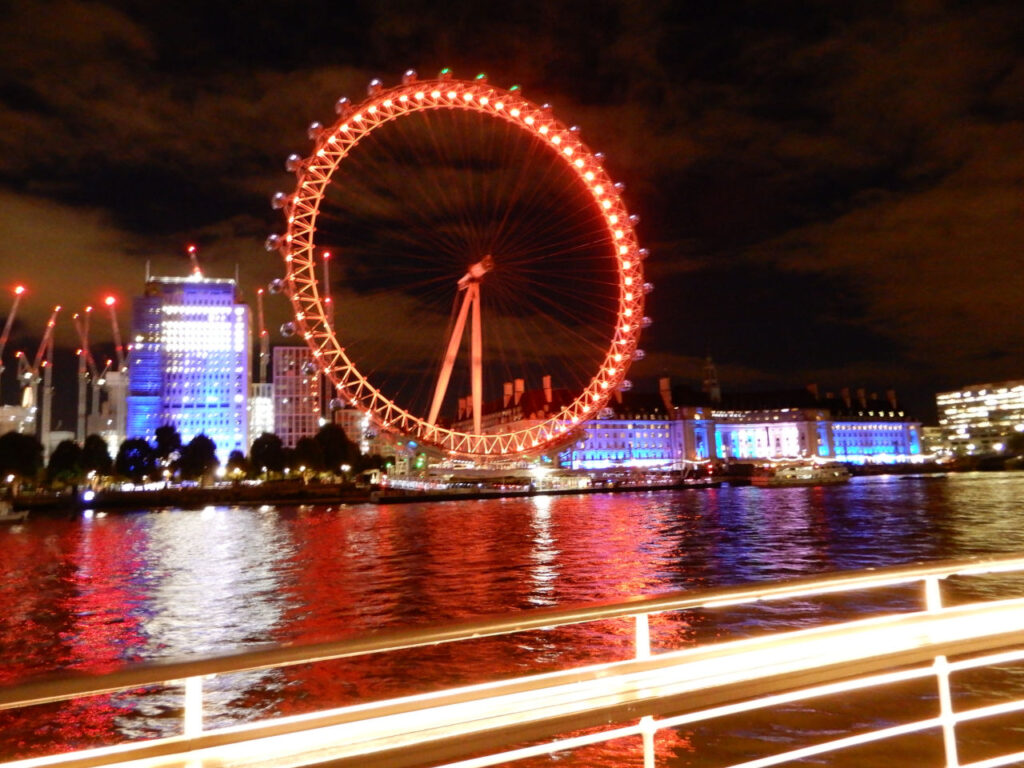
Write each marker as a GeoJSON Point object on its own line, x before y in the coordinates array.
{"type": "Point", "coordinates": [97, 593]}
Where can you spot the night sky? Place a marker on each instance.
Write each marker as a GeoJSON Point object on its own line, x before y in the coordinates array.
{"type": "Point", "coordinates": [831, 192]}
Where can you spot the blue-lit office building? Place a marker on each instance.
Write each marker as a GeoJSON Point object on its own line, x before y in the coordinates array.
{"type": "Point", "coordinates": [190, 362]}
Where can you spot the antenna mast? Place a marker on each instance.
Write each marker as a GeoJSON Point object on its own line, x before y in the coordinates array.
{"type": "Point", "coordinates": [193, 256]}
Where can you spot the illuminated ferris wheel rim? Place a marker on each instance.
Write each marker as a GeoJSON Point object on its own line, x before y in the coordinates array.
{"type": "Point", "coordinates": [333, 143]}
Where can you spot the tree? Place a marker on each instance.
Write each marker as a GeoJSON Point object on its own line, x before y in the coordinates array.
{"type": "Point", "coordinates": [198, 458]}
{"type": "Point", "coordinates": [65, 463]}
{"type": "Point", "coordinates": [337, 448]}
{"type": "Point", "coordinates": [168, 443]}
{"type": "Point", "coordinates": [20, 455]}
{"type": "Point", "coordinates": [267, 453]}
{"type": "Point", "coordinates": [135, 460]}
{"type": "Point", "coordinates": [308, 454]}
{"type": "Point", "coordinates": [96, 455]}
{"type": "Point", "coordinates": [238, 464]}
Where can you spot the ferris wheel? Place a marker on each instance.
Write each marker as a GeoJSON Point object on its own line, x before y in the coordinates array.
{"type": "Point", "coordinates": [468, 193]}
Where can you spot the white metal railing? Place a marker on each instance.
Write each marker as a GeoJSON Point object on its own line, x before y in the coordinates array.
{"type": "Point", "coordinates": [639, 696]}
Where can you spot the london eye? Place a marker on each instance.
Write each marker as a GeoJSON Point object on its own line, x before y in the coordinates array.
{"type": "Point", "coordinates": [480, 252]}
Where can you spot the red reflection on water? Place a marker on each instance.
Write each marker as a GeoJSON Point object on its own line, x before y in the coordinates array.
{"type": "Point", "coordinates": [431, 563]}
{"type": "Point", "coordinates": [71, 597]}
{"type": "Point", "coordinates": [80, 594]}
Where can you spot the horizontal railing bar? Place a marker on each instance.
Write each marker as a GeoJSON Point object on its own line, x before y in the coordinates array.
{"type": "Point", "coordinates": [979, 713]}
{"type": "Point", "coordinates": [996, 762]}
{"type": "Point", "coordinates": [431, 728]}
{"type": "Point", "coordinates": [538, 750]}
{"type": "Point", "coordinates": [991, 660]}
{"type": "Point", "coordinates": [158, 673]}
{"type": "Point", "coordinates": [803, 694]}
{"type": "Point", "coordinates": [847, 741]}
{"type": "Point", "coordinates": [886, 678]}
{"type": "Point", "coordinates": [790, 697]}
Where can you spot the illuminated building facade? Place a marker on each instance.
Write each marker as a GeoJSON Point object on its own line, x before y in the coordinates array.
{"type": "Point", "coordinates": [297, 400]}
{"type": "Point", "coordinates": [857, 429]}
{"type": "Point", "coordinates": [764, 434]}
{"type": "Point", "coordinates": [633, 431]}
{"type": "Point", "coordinates": [981, 418]}
{"type": "Point", "coordinates": [647, 431]}
{"type": "Point", "coordinates": [261, 410]}
{"type": "Point", "coordinates": [190, 362]}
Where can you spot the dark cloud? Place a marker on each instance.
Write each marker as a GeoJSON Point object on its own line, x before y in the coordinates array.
{"type": "Point", "coordinates": [832, 192]}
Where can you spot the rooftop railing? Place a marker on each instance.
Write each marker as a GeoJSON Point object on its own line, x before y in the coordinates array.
{"type": "Point", "coordinates": [502, 721]}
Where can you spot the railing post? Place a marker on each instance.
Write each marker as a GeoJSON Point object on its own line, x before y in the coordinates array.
{"type": "Point", "coordinates": [193, 706]}
{"type": "Point", "coordinates": [643, 651]}
{"type": "Point", "coordinates": [933, 600]}
{"type": "Point", "coordinates": [643, 637]}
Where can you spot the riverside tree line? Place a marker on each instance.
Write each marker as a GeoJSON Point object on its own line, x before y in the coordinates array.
{"type": "Point", "coordinates": [330, 451]}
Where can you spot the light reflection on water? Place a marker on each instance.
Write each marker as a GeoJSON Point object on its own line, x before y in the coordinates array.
{"type": "Point", "coordinates": [93, 594]}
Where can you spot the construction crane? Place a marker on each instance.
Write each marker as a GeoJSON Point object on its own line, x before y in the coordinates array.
{"type": "Point", "coordinates": [40, 371]}
{"type": "Point", "coordinates": [264, 339]}
{"type": "Point", "coordinates": [111, 303]}
{"type": "Point", "coordinates": [18, 291]}
{"type": "Point", "coordinates": [86, 372]}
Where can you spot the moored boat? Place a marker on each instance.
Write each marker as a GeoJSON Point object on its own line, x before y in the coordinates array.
{"type": "Point", "coordinates": [801, 473]}
{"type": "Point", "coordinates": [8, 513]}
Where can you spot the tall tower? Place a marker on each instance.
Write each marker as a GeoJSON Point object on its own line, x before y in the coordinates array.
{"type": "Point", "coordinates": [710, 385]}
{"type": "Point", "coordinates": [190, 362]}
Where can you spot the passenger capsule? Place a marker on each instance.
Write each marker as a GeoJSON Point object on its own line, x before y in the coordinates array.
{"type": "Point", "coordinates": [634, 219]}
{"type": "Point", "coordinates": [343, 107]}
{"type": "Point", "coordinates": [599, 156]}
{"type": "Point", "coordinates": [644, 253]}
{"type": "Point", "coordinates": [278, 201]}
{"type": "Point", "coordinates": [648, 287]}
{"type": "Point", "coordinates": [273, 243]}
{"type": "Point", "coordinates": [646, 322]}
{"type": "Point", "coordinates": [638, 354]}
{"type": "Point", "coordinates": [276, 285]}
{"type": "Point", "coordinates": [574, 129]}
{"type": "Point", "coordinates": [309, 368]}
{"type": "Point", "coordinates": [293, 163]}
{"type": "Point", "coordinates": [288, 329]}
{"type": "Point", "coordinates": [336, 403]}
{"type": "Point", "coordinates": [626, 385]}
{"type": "Point", "coordinates": [620, 187]}
{"type": "Point", "coordinates": [314, 130]}
{"type": "Point", "coordinates": [374, 87]}
{"type": "Point", "coordinates": [410, 76]}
